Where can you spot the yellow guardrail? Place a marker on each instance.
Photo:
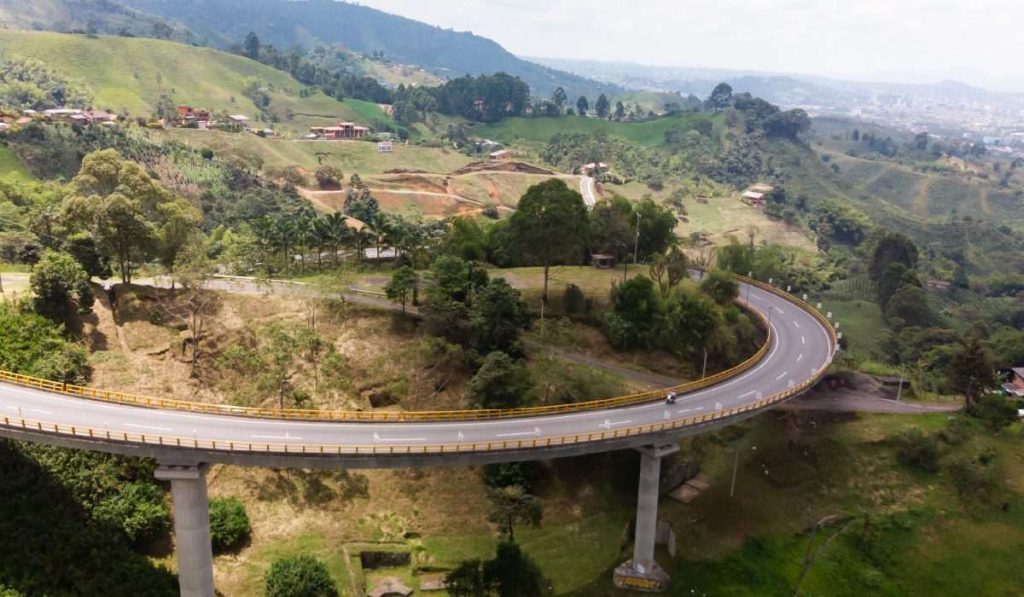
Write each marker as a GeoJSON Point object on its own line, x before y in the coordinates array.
{"type": "Point", "coordinates": [423, 416]}
{"type": "Point", "coordinates": [355, 449]}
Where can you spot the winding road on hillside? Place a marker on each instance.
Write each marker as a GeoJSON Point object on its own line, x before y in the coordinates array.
{"type": "Point", "coordinates": [589, 191]}
{"type": "Point", "coordinates": [800, 348]}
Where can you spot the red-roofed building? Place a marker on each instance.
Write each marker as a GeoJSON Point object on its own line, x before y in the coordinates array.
{"type": "Point", "coordinates": [344, 130]}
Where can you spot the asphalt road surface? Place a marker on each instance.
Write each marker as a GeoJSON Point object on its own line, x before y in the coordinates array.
{"type": "Point", "coordinates": [801, 346]}
{"type": "Point", "coordinates": [589, 191]}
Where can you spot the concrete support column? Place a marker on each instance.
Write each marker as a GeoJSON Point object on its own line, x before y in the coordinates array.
{"type": "Point", "coordinates": [642, 572]}
{"type": "Point", "coordinates": [191, 527]}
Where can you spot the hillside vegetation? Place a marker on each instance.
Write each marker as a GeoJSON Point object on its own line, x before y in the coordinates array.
{"type": "Point", "coordinates": [130, 76]}
{"type": "Point", "coordinates": [445, 52]}
{"type": "Point", "coordinates": [94, 16]}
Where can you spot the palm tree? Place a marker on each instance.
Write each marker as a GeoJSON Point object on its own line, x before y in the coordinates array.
{"type": "Point", "coordinates": [285, 231]}
{"type": "Point", "coordinates": [340, 233]}
{"type": "Point", "coordinates": [321, 237]}
{"type": "Point", "coordinates": [264, 230]}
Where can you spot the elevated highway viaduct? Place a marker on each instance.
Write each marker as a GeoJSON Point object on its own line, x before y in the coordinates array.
{"type": "Point", "coordinates": [186, 437]}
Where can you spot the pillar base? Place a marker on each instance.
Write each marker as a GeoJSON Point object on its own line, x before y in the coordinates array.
{"type": "Point", "coordinates": [648, 577]}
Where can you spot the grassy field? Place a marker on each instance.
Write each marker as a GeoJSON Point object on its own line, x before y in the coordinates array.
{"type": "Point", "coordinates": [861, 324]}
{"type": "Point", "coordinates": [351, 156]}
{"type": "Point", "coordinates": [11, 167]}
{"type": "Point", "coordinates": [540, 130]}
{"type": "Point", "coordinates": [129, 76]}
{"type": "Point", "coordinates": [921, 537]}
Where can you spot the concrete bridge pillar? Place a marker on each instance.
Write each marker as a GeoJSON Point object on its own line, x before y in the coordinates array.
{"type": "Point", "coordinates": [191, 527]}
{"type": "Point", "coordinates": [642, 572]}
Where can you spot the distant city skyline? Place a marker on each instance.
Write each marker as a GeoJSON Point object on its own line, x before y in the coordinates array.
{"type": "Point", "coordinates": [914, 41]}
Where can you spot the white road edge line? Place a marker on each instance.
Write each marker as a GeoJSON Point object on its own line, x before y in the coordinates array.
{"type": "Point", "coordinates": [147, 427]}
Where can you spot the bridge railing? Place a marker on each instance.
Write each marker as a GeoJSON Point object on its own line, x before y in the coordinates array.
{"type": "Point", "coordinates": [426, 416]}
{"type": "Point", "coordinates": [425, 449]}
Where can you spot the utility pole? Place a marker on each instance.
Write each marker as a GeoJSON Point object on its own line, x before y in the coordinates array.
{"type": "Point", "coordinates": [704, 370]}
{"type": "Point", "coordinates": [636, 245]}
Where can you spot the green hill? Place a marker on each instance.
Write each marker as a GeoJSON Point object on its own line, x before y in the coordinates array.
{"type": "Point", "coordinates": [131, 75]}
{"type": "Point", "coordinates": [540, 130]}
{"type": "Point", "coordinates": [93, 16]}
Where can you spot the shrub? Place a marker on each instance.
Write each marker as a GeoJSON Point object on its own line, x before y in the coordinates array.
{"type": "Point", "coordinates": [993, 410]}
{"type": "Point", "coordinates": [301, 576]}
{"type": "Point", "coordinates": [506, 474]}
{"type": "Point", "coordinates": [918, 450]}
{"type": "Point", "coordinates": [974, 477]}
{"type": "Point", "coordinates": [139, 510]}
{"type": "Point", "coordinates": [720, 286]}
{"type": "Point", "coordinates": [33, 345]}
{"type": "Point", "coordinates": [573, 301]}
{"type": "Point", "coordinates": [229, 523]}
{"type": "Point", "coordinates": [501, 382]}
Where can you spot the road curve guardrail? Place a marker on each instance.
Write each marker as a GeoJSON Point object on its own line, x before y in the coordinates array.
{"type": "Point", "coordinates": [350, 416]}
{"type": "Point", "coordinates": [170, 441]}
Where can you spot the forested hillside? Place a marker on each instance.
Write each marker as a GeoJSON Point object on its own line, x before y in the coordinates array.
{"type": "Point", "coordinates": [88, 16]}
{"type": "Point", "coordinates": [362, 29]}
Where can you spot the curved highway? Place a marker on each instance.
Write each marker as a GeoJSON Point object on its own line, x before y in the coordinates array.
{"type": "Point", "coordinates": [801, 347]}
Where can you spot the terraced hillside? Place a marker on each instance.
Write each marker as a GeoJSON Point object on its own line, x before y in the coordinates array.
{"type": "Point", "coordinates": [131, 75]}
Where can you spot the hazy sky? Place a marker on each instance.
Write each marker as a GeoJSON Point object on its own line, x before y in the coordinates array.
{"type": "Point", "coordinates": [977, 41]}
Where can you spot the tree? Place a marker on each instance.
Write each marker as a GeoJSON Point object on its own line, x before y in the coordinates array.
{"type": "Point", "coordinates": [909, 306]}
{"type": "Point", "coordinates": [501, 382]}
{"type": "Point", "coordinates": [513, 574]}
{"type": "Point", "coordinates": [229, 523]}
{"type": "Point", "coordinates": [603, 107]}
{"type": "Point", "coordinates": [669, 269]}
{"type": "Point", "coordinates": [657, 228]}
{"type": "Point", "coordinates": [889, 282]}
{"type": "Point", "coordinates": [690, 321]}
{"type": "Point", "coordinates": [328, 177]}
{"type": "Point", "coordinates": [788, 124]}
{"type": "Point", "coordinates": [612, 227]}
{"type": "Point", "coordinates": [549, 226]}
{"type": "Point", "coordinates": [401, 285]}
{"type": "Point", "coordinates": [252, 46]}
{"type": "Point", "coordinates": [59, 283]}
{"type": "Point", "coordinates": [82, 246]}
{"type": "Point", "coordinates": [971, 370]}
{"type": "Point", "coordinates": [721, 97]}
{"type": "Point", "coordinates": [892, 247]}
{"type": "Point", "coordinates": [582, 105]}
{"type": "Point", "coordinates": [180, 228]}
{"type": "Point", "coordinates": [497, 315]}
{"type": "Point", "coordinates": [559, 98]}
{"type": "Point", "coordinates": [117, 202]}
{"type": "Point", "coordinates": [720, 286]}
{"type": "Point", "coordinates": [636, 308]}
{"type": "Point", "coordinates": [195, 303]}
{"type": "Point", "coordinates": [512, 505]}
{"type": "Point", "coordinates": [300, 576]}
{"type": "Point", "coordinates": [162, 30]}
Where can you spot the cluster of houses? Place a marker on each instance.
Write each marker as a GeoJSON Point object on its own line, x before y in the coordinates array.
{"type": "Point", "coordinates": [201, 118]}
{"type": "Point", "coordinates": [60, 115]}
